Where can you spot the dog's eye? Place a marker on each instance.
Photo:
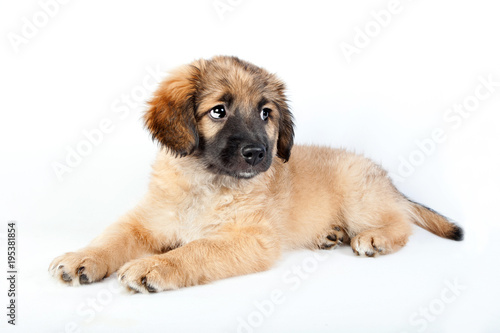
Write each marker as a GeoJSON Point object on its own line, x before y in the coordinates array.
{"type": "Point", "coordinates": [264, 114]}
{"type": "Point", "coordinates": [218, 112]}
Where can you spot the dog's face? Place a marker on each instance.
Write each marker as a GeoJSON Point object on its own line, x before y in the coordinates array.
{"type": "Point", "coordinates": [229, 114]}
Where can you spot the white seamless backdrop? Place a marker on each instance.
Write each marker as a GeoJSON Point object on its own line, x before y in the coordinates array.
{"type": "Point", "coordinates": [414, 85]}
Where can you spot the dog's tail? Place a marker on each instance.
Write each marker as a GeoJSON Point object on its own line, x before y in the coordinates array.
{"type": "Point", "coordinates": [434, 222]}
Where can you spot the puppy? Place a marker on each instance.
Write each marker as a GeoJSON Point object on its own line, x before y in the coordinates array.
{"type": "Point", "coordinates": [229, 191]}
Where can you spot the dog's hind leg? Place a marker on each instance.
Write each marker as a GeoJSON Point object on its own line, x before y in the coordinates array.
{"type": "Point", "coordinates": [389, 237]}
{"type": "Point", "coordinates": [336, 236]}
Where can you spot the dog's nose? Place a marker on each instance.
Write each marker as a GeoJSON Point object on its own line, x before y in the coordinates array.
{"type": "Point", "coordinates": [253, 154]}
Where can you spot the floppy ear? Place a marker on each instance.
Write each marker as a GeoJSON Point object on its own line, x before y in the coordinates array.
{"type": "Point", "coordinates": [286, 133]}
{"type": "Point", "coordinates": [285, 136]}
{"type": "Point", "coordinates": [171, 117]}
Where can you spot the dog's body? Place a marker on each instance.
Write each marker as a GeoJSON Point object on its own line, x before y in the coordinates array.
{"type": "Point", "coordinates": [229, 193]}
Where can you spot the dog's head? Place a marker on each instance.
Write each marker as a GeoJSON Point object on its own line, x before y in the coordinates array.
{"type": "Point", "coordinates": [231, 115]}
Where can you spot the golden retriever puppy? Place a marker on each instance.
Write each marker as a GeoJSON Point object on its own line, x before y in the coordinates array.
{"type": "Point", "coordinates": [229, 191]}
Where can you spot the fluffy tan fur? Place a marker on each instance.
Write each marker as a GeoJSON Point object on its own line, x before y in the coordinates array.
{"type": "Point", "coordinates": [195, 226]}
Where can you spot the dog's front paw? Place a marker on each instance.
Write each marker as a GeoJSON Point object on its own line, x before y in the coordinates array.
{"type": "Point", "coordinates": [336, 236]}
{"type": "Point", "coordinates": [76, 268]}
{"type": "Point", "coordinates": [150, 275]}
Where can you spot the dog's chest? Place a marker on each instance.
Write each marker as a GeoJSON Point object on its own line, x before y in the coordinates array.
{"type": "Point", "coordinates": [202, 212]}
{"type": "Point", "coordinates": [198, 214]}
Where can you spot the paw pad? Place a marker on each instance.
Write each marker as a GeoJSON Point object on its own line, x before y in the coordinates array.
{"type": "Point", "coordinates": [336, 236]}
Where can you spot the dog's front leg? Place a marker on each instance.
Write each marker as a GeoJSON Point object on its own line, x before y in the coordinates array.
{"type": "Point", "coordinates": [236, 250]}
{"type": "Point", "coordinates": [119, 243]}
